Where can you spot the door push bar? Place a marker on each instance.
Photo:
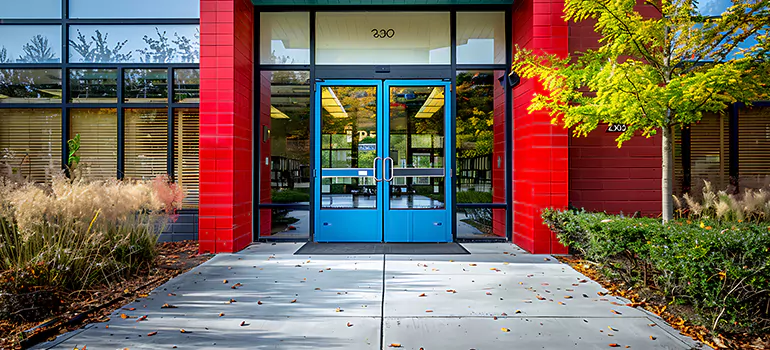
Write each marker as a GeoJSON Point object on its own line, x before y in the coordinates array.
{"type": "Point", "coordinates": [391, 169]}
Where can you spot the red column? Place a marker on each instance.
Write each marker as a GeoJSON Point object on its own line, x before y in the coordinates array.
{"type": "Point", "coordinates": [265, 215]}
{"type": "Point", "coordinates": [226, 110]}
{"type": "Point", "coordinates": [498, 152]}
{"type": "Point", "coordinates": [540, 150]}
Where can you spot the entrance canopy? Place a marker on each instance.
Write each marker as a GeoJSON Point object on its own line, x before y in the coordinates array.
{"type": "Point", "coordinates": [381, 2]}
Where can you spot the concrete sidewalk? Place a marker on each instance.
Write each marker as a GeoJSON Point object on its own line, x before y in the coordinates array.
{"type": "Point", "coordinates": [498, 297]}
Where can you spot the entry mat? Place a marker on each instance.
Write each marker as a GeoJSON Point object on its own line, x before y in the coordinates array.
{"type": "Point", "coordinates": [313, 248]}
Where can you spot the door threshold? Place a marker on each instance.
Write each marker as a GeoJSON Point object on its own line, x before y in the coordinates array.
{"type": "Point", "coordinates": [336, 248]}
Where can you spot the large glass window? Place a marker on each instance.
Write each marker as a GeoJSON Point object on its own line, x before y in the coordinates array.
{"type": "Point", "coordinates": [30, 9]}
{"type": "Point", "coordinates": [98, 130]}
{"type": "Point", "coordinates": [481, 38]}
{"type": "Point", "coordinates": [382, 38]}
{"type": "Point", "coordinates": [134, 9]}
{"type": "Point", "coordinates": [30, 140]}
{"type": "Point", "coordinates": [135, 43]}
{"type": "Point", "coordinates": [30, 44]}
{"type": "Point", "coordinates": [284, 37]}
{"type": "Point", "coordinates": [187, 85]}
{"type": "Point", "coordinates": [186, 136]}
{"type": "Point", "coordinates": [145, 86]}
{"type": "Point", "coordinates": [146, 141]}
{"type": "Point", "coordinates": [30, 86]}
{"type": "Point", "coordinates": [754, 147]}
{"type": "Point", "coordinates": [94, 85]}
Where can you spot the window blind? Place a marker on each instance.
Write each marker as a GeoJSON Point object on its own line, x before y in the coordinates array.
{"type": "Point", "coordinates": [98, 129]}
{"type": "Point", "coordinates": [709, 152]}
{"type": "Point", "coordinates": [754, 147]}
{"type": "Point", "coordinates": [146, 143]}
{"type": "Point", "coordinates": [186, 164]}
{"type": "Point", "coordinates": [30, 142]}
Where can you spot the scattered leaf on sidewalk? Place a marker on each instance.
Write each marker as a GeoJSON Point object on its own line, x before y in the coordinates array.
{"type": "Point", "coordinates": [518, 311]}
{"type": "Point", "coordinates": [172, 294]}
{"type": "Point", "coordinates": [143, 318]}
{"type": "Point", "coordinates": [428, 310]}
{"type": "Point", "coordinates": [505, 329]}
{"type": "Point", "coordinates": [394, 345]}
{"type": "Point", "coordinates": [243, 324]}
{"type": "Point", "coordinates": [221, 314]}
{"type": "Point", "coordinates": [471, 264]}
{"type": "Point", "coordinates": [612, 329]}
{"type": "Point", "coordinates": [613, 345]}
{"type": "Point", "coordinates": [653, 338]}
{"type": "Point", "coordinates": [294, 301]}
{"type": "Point", "coordinates": [451, 291]}
{"type": "Point", "coordinates": [616, 312]}
{"type": "Point", "coordinates": [224, 282]}
{"type": "Point", "coordinates": [235, 286]}
{"type": "Point", "coordinates": [423, 295]}
{"type": "Point", "coordinates": [489, 293]}
{"type": "Point", "coordinates": [184, 331]}
{"type": "Point", "coordinates": [151, 334]}
{"type": "Point", "coordinates": [567, 297]}
{"type": "Point", "coordinates": [338, 310]}
{"type": "Point", "coordinates": [539, 297]}
{"type": "Point", "coordinates": [168, 306]}
{"type": "Point", "coordinates": [259, 302]}
{"type": "Point", "coordinates": [124, 316]}
{"type": "Point", "coordinates": [350, 324]}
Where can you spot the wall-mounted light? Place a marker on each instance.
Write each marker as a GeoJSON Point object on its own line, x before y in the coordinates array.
{"type": "Point", "coordinates": [512, 80]}
{"type": "Point", "coordinates": [265, 133]}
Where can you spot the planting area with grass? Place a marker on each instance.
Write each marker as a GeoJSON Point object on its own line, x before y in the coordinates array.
{"type": "Point", "coordinates": [708, 271]}
{"type": "Point", "coordinates": [71, 245]}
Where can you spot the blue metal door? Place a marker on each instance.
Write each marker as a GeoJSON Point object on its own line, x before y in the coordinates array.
{"type": "Point", "coordinates": [382, 161]}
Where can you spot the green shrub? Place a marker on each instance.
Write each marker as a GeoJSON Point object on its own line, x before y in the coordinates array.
{"type": "Point", "coordinates": [721, 268]}
{"type": "Point", "coordinates": [474, 197]}
{"type": "Point", "coordinates": [289, 196]}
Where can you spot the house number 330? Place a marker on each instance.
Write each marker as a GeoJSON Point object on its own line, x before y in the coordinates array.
{"type": "Point", "coordinates": [383, 33]}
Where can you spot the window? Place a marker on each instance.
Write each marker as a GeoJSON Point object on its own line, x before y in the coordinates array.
{"type": "Point", "coordinates": [30, 141]}
{"type": "Point", "coordinates": [754, 147]}
{"type": "Point", "coordinates": [284, 37]}
{"type": "Point", "coordinates": [186, 135]}
{"type": "Point", "coordinates": [98, 130]}
{"type": "Point", "coordinates": [134, 9]}
{"type": "Point", "coordinates": [145, 86]}
{"type": "Point", "coordinates": [709, 152]}
{"type": "Point", "coordinates": [146, 141]}
{"type": "Point", "coordinates": [135, 43]}
{"type": "Point", "coordinates": [382, 38]}
{"type": "Point", "coordinates": [31, 9]}
{"type": "Point", "coordinates": [30, 86]}
{"type": "Point", "coordinates": [481, 38]}
{"type": "Point", "coordinates": [187, 85]}
{"type": "Point", "coordinates": [94, 85]}
{"type": "Point", "coordinates": [30, 44]}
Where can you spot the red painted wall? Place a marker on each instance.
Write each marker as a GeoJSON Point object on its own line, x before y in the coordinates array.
{"type": "Point", "coordinates": [540, 150]}
{"type": "Point", "coordinates": [498, 151]}
{"type": "Point", "coordinates": [226, 125]}
{"type": "Point", "coordinates": [265, 215]}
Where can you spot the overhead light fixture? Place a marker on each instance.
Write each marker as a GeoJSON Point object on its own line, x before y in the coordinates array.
{"type": "Point", "coordinates": [332, 104]}
{"type": "Point", "coordinates": [433, 104]}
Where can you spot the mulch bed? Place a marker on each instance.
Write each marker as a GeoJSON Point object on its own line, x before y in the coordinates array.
{"type": "Point", "coordinates": [88, 306]}
{"type": "Point", "coordinates": [676, 316]}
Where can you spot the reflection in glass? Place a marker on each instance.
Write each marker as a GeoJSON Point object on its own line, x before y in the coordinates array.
{"type": "Point", "coordinates": [30, 86]}
{"type": "Point", "coordinates": [284, 37]}
{"type": "Point", "coordinates": [134, 9]}
{"type": "Point", "coordinates": [481, 223]}
{"type": "Point", "coordinates": [146, 139]}
{"type": "Point", "coordinates": [480, 137]}
{"type": "Point", "coordinates": [94, 85]}
{"type": "Point", "coordinates": [145, 85]}
{"type": "Point", "coordinates": [135, 43]}
{"type": "Point", "coordinates": [98, 130]}
{"type": "Point", "coordinates": [30, 140]}
{"type": "Point", "coordinates": [30, 44]}
{"type": "Point", "coordinates": [382, 38]}
{"type": "Point", "coordinates": [348, 141]}
{"type": "Point", "coordinates": [187, 85]}
{"type": "Point", "coordinates": [481, 38]}
{"type": "Point", "coordinates": [186, 163]}
{"type": "Point", "coordinates": [417, 147]}
{"type": "Point", "coordinates": [285, 224]}
{"type": "Point", "coordinates": [289, 122]}
{"type": "Point", "coordinates": [31, 9]}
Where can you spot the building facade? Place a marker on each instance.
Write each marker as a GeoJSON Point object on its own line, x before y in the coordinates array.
{"type": "Point", "coordinates": [349, 121]}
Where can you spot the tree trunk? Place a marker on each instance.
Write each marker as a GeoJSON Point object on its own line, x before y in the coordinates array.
{"type": "Point", "coordinates": [667, 189]}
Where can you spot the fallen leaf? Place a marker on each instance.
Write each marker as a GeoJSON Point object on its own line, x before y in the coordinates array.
{"type": "Point", "coordinates": [221, 314]}
{"type": "Point", "coordinates": [143, 318]}
{"type": "Point", "coordinates": [653, 338]}
{"type": "Point", "coordinates": [394, 345]}
{"type": "Point", "coordinates": [505, 329]}
{"type": "Point", "coordinates": [518, 311]}
{"type": "Point", "coordinates": [243, 323]}
{"type": "Point", "coordinates": [423, 295]}
{"type": "Point", "coordinates": [428, 310]}
{"type": "Point", "coordinates": [172, 294]}
{"type": "Point", "coordinates": [350, 324]}
{"type": "Point", "coordinates": [489, 293]}
{"type": "Point", "coordinates": [616, 312]}
{"type": "Point", "coordinates": [567, 297]}
{"type": "Point", "coordinates": [338, 310]}
{"type": "Point", "coordinates": [224, 282]}
{"type": "Point", "coordinates": [294, 301]}
{"type": "Point", "coordinates": [451, 291]}
{"type": "Point", "coordinates": [124, 316]}
{"type": "Point", "coordinates": [183, 331]}
{"type": "Point", "coordinates": [151, 334]}
{"type": "Point", "coordinates": [471, 264]}
{"type": "Point", "coordinates": [259, 302]}
{"type": "Point", "coordinates": [168, 306]}
{"type": "Point", "coordinates": [612, 329]}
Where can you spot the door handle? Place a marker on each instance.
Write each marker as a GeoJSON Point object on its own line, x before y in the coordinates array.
{"type": "Point", "coordinates": [374, 165]}
{"type": "Point", "coordinates": [391, 169]}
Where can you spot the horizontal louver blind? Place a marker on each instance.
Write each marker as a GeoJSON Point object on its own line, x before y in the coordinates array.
{"type": "Point", "coordinates": [146, 143]}
{"type": "Point", "coordinates": [98, 129]}
{"type": "Point", "coordinates": [186, 124]}
{"type": "Point", "coordinates": [709, 152]}
{"type": "Point", "coordinates": [678, 171]}
{"type": "Point", "coordinates": [754, 147]}
{"type": "Point", "coordinates": [30, 141]}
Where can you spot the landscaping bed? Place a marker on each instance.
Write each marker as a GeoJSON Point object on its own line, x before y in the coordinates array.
{"type": "Point", "coordinates": [96, 304]}
{"type": "Point", "coordinates": [707, 273]}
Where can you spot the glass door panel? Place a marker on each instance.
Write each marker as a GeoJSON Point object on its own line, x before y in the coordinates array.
{"type": "Point", "coordinates": [416, 166]}
{"type": "Point", "coordinates": [347, 156]}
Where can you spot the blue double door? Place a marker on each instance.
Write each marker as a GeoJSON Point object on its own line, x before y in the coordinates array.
{"type": "Point", "coordinates": [383, 161]}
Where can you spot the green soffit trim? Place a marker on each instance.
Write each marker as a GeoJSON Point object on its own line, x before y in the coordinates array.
{"type": "Point", "coordinates": [381, 2]}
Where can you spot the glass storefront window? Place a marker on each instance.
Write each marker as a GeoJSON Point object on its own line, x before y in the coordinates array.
{"type": "Point", "coordinates": [186, 163]}
{"type": "Point", "coordinates": [187, 85]}
{"type": "Point", "coordinates": [480, 137]}
{"type": "Point", "coordinates": [286, 112]}
{"type": "Point", "coordinates": [284, 37]}
{"type": "Point", "coordinates": [481, 223]}
{"type": "Point", "coordinates": [30, 140]}
{"type": "Point", "coordinates": [98, 130]}
{"type": "Point", "coordinates": [481, 38]}
{"type": "Point", "coordinates": [30, 44]}
{"type": "Point", "coordinates": [134, 9]}
{"type": "Point", "coordinates": [135, 43]}
{"type": "Point", "coordinates": [382, 38]}
{"type": "Point", "coordinates": [94, 85]}
{"type": "Point", "coordinates": [31, 9]}
{"type": "Point", "coordinates": [146, 141]}
{"type": "Point", "coordinates": [30, 86]}
{"type": "Point", "coordinates": [145, 86]}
